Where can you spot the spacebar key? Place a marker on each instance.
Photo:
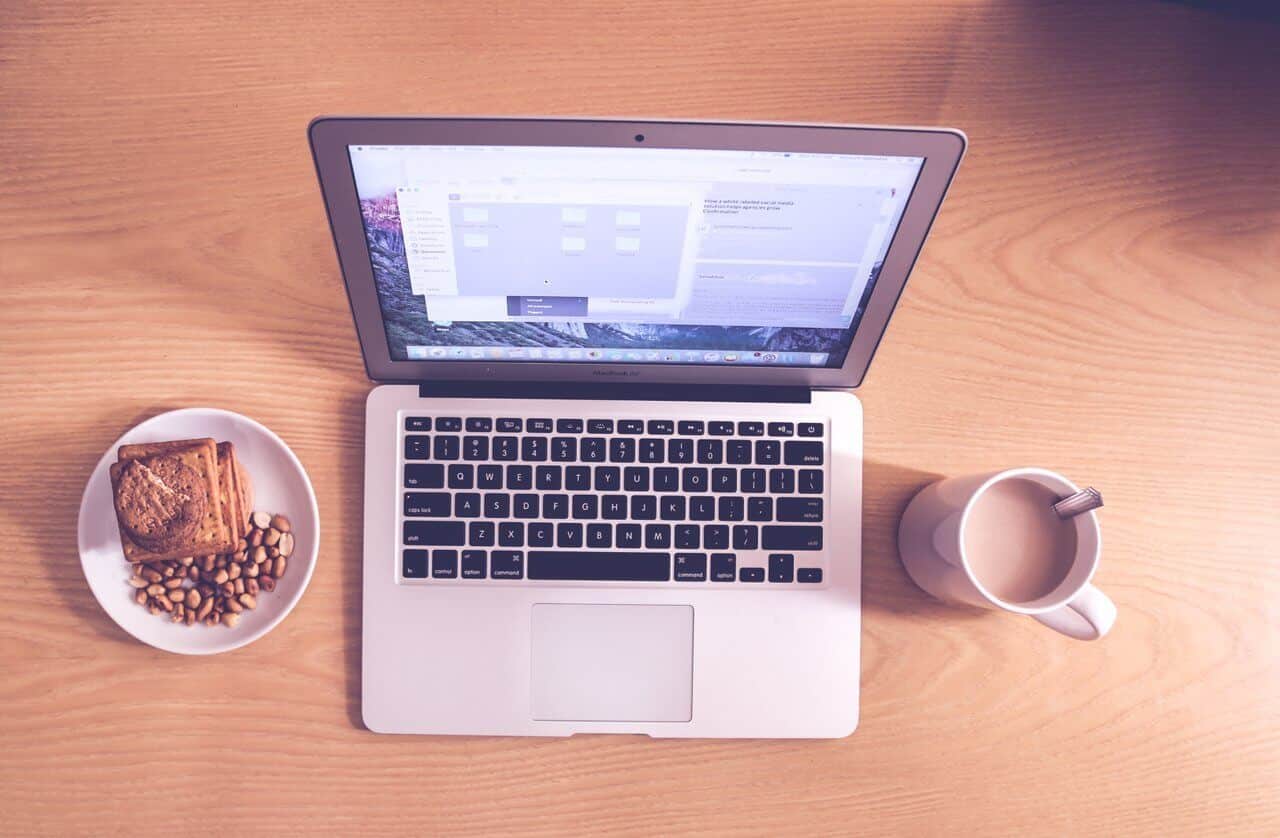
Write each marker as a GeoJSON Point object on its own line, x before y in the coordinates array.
{"type": "Point", "coordinates": [599, 566]}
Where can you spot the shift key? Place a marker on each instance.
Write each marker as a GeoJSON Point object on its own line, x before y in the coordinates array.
{"type": "Point", "coordinates": [790, 538]}
{"type": "Point", "coordinates": [435, 533]}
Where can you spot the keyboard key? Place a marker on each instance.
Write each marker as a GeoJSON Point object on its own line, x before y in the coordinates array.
{"type": "Point", "coordinates": [751, 574]}
{"type": "Point", "coordinates": [577, 478]}
{"type": "Point", "coordinates": [630, 426]}
{"type": "Point", "coordinates": [417, 423]}
{"type": "Point", "coordinates": [444, 564]}
{"type": "Point", "coordinates": [628, 535]}
{"type": "Point", "coordinates": [568, 426]}
{"type": "Point", "coordinates": [702, 508]}
{"type": "Point", "coordinates": [474, 564]}
{"type": "Point", "coordinates": [511, 534]}
{"type": "Point", "coordinates": [426, 504]}
{"type": "Point", "coordinates": [799, 509]}
{"type": "Point", "coordinates": [588, 565]}
{"type": "Point", "coordinates": [533, 449]}
{"type": "Point", "coordinates": [752, 480]}
{"type": "Point", "coordinates": [644, 507]}
{"type": "Point", "coordinates": [803, 454]}
{"type": "Point", "coordinates": [541, 534]}
{"type": "Point", "coordinates": [505, 448]}
{"type": "Point", "coordinates": [417, 447]}
{"type": "Point", "coordinates": [746, 537]}
{"type": "Point", "coordinates": [555, 506]}
{"type": "Point", "coordinates": [671, 508]}
{"type": "Point", "coordinates": [691, 567]}
{"type": "Point", "coordinates": [791, 538]}
{"type": "Point", "coordinates": [539, 426]}
{"type": "Point", "coordinates": [691, 428]}
{"type": "Point", "coordinates": [782, 481]}
{"type": "Point", "coordinates": [613, 507]}
{"type": "Point", "coordinates": [599, 426]}
{"type": "Point", "coordinates": [462, 476]}
{"type": "Point", "coordinates": [451, 424]}
{"type": "Point", "coordinates": [413, 564]}
{"type": "Point", "coordinates": [477, 425]}
{"type": "Point", "coordinates": [751, 429]}
{"type": "Point", "coordinates": [466, 505]}
{"type": "Point", "coordinates": [510, 426]}
{"type": "Point", "coordinates": [715, 537]}
{"type": "Point", "coordinates": [694, 480]}
{"type": "Point", "coordinates": [781, 429]}
{"type": "Point", "coordinates": [810, 429]}
{"type": "Point", "coordinates": [488, 477]}
{"type": "Point", "coordinates": [738, 452]}
{"type": "Point", "coordinates": [423, 476]}
{"type": "Point", "coordinates": [593, 449]}
{"type": "Point", "coordinates": [781, 567]}
{"type": "Point", "coordinates": [585, 507]}
{"type": "Point", "coordinates": [481, 533]}
{"type": "Point", "coordinates": [809, 574]}
{"type": "Point", "coordinates": [608, 478]}
{"type": "Point", "coordinates": [810, 481]}
{"type": "Point", "coordinates": [651, 450]}
{"type": "Point", "coordinates": [525, 506]}
{"type": "Point", "coordinates": [506, 564]}
{"type": "Point", "coordinates": [759, 509]}
{"type": "Point", "coordinates": [661, 427]}
{"type": "Point", "coordinates": [720, 428]}
{"type": "Point", "coordinates": [666, 480]}
{"type": "Point", "coordinates": [724, 567]}
{"type": "Point", "coordinates": [564, 449]}
{"type": "Point", "coordinates": [547, 477]}
{"type": "Point", "coordinates": [569, 535]}
{"type": "Point", "coordinates": [519, 477]}
{"type": "Point", "coordinates": [680, 451]}
{"type": "Point", "coordinates": [435, 533]}
{"type": "Point", "coordinates": [731, 509]}
{"type": "Point", "coordinates": [768, 451]}
{"type": "Point", "coordinates": [635, 479]}
{"type": "Point", "coordinates": [687, 536]}
{"type": "Point", "coordinates": [724, 480]}
{"type": "Point", "coordinates": [622, 450]}
{"type": "Point", "coordinates": [445, 448]}
{"type": "Point", "coordinates": [497, 505]}
{"type": "Point", "coordinates": [710, 451]}
{"type": "Point", "coordinates": [599, 536]}
{"type": "Point", "coordinates": [657, 536]}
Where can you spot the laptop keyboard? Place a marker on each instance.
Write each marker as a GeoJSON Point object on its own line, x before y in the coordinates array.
{"type": "Point", "coordinates": [612, 500]}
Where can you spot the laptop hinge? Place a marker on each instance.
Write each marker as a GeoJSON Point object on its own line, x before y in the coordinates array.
{"type": "Point", "coordinates": [637, 392]}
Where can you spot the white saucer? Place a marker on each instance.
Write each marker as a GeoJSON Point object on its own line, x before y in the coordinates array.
{"type": "Point", "coordinates": [280, 485]}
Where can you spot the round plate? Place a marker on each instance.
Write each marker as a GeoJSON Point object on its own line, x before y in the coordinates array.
{"type": "Point", "coordinates": [280, 485]}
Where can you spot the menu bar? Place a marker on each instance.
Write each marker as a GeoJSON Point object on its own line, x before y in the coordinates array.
{"type": "Point", "coordinates": [623, 356]}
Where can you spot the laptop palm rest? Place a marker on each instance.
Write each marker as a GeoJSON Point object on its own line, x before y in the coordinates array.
{"type": "Point", "coordinates": [612, 663]}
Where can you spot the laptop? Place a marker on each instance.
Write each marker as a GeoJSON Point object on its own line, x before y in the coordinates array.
{"type": "Point", "coordinates": [613, 463]}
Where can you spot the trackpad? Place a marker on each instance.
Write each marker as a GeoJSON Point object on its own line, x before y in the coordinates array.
{"type": "Point", "coordinates": [612, 663]}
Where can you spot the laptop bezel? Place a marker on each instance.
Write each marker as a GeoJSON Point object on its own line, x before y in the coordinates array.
{"type": "Point", "coordinates": [941, 148]}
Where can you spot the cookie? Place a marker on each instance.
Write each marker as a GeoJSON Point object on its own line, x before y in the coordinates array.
{"type": "Point", "coordinates": [160, 501]}
{"type": "Point", "coordinates": [213, 536]}
{"type": "Point", "coordinates": [237, 519]}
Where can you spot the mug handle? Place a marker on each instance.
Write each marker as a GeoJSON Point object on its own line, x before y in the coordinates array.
{"type": "Point", "coordinates": [1088, 616]}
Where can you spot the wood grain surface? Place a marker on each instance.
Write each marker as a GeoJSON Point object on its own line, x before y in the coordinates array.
{"type": "Point", "coordinates": [1101, 296]}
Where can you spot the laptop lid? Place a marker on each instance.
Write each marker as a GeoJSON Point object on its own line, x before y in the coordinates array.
{"type": "Point", "coordinates": [623, 250]}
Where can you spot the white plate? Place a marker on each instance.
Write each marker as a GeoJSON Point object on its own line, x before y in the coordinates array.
{"type": "Point", "coordinates": [280, 485]}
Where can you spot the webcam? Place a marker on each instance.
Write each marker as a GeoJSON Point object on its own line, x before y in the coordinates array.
{"type": "Point", "coordinates": [639, 138]}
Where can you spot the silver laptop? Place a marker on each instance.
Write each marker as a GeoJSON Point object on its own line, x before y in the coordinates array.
{"type": "Point", "coordinates": [613, 466]}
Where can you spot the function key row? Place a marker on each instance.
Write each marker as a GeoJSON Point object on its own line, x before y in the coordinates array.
{"type": "Point", "coordinates": [558, 565]}
{"type": "Point", "coordinates": [655, 427]}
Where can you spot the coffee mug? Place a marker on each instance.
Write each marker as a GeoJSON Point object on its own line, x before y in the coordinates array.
{"type": "Point", "coordinates": [940, 559]}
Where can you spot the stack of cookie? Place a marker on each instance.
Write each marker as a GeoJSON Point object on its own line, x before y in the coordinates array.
{"type": "Point", "coordinates": [187, 497]}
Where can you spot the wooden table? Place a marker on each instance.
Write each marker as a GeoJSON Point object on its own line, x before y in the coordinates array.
{"type": "Point", "coordinates": [1101, 296]}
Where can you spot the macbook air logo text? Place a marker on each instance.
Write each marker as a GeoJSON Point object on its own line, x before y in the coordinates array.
{"type": "Point", "coordinates": [631, 373]}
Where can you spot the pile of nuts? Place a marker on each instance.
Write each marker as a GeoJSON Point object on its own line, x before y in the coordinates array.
{"type": "Point", "coordinates": [216, 590]}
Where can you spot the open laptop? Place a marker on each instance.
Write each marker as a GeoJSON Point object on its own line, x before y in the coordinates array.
{"type": "Point", "coordinates": [613, 471]}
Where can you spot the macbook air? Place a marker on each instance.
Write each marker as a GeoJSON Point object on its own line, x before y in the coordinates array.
{"type": "Point", "coordinates": [613, 463]}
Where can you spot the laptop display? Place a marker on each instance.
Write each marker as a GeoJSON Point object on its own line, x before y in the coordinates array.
{"type": "Point", "coordinates": [637, 255]}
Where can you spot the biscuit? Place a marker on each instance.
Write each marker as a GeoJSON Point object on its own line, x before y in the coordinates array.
{"type": "Point", "coordinates": [236, 517]}
{"type": "Point", "coordinates": [213, 536]}
{"type": "Point", "coordinates": [159, 501]}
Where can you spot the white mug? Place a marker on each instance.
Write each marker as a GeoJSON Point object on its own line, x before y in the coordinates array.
{"type": "Point", "coordinates": [932, 545]}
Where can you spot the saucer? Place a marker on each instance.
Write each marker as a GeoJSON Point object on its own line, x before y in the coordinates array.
{"type": "Point", "coordinates": [280, 486]}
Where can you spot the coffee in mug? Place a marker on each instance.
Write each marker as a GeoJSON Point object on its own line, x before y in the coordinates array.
{"type": "Point", "coordinates": [1018, 547]}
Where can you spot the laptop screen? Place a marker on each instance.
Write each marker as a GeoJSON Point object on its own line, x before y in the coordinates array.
{"type": "Point", "coordinates": [628, 255]}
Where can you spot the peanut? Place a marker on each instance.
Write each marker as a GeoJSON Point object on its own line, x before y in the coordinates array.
{"type": "Point", "coordinates": [155, 590]}
{"type": "Point", "coordinates": [206, 563]}
{"type": "Point", "coordinates": [239, 586]}
{"type": "Point", "coordinates": [272, 552]}
{"type": "Point", "coordinates": [193, 598]}
{"type": "Point", "coordinates": [231, 605]}
{"type": "Point", "coordinates": [227, 588]}
{"type": "Point", "coordinates": [177, 595]}
{"type": "Point", "coordinates": [137, 582]}
{"type": "Point", "coordinates": [163, 602]}
{"type": "Point", "coordinates": [190, 617]}
{"type": "Point", "coordinates": [271, 537]}
{"type": "Point", "coordinates": [220, 577]}
{"type": "Point", "coordinates": [265, 567]}
{"type": "Point", "coordinates": [233, 571]}
{"type": "Point", "coordinates": [241, 543]}
{"type": "Point", "coordinates": [140, 597]}
{"type": "Point", "coordinates": [251, 587]}
{"type": "Point", "coordinates": [152, 575]}
{"type": "Point", "coordinates": [247, 601]}
{"type": "Point", "coordinates": [282, 564]}
{"type": "Point", "coordinates": [153, 608]}
{"type": "Point", "coordinates": [211, 620]}
{"type": "Point", "coordinates": [261, 520]}
{"type": "Point", "coordinates": [168, 571]}
{"type": "Point", "coordinates": [230, 619]}
{"type": "Point", "coordinates": [286, 544]}
{"type": "Point", "coordinates": [259, 554]}
{"type": "Point", "coordinates": [251, 570]}
{"type": "Point", "coordinates": [187, 561]}
{"type": "Point", "coordinates": [175, 582]}
{"type": "Point", "coordinates": [220, 562]}
{"type": "Point", "coordinates": [255, 538]}
{"type": "Point", "coordinates": [203, 610]}
{"type": "Point", "coordinates": [268, 584]}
